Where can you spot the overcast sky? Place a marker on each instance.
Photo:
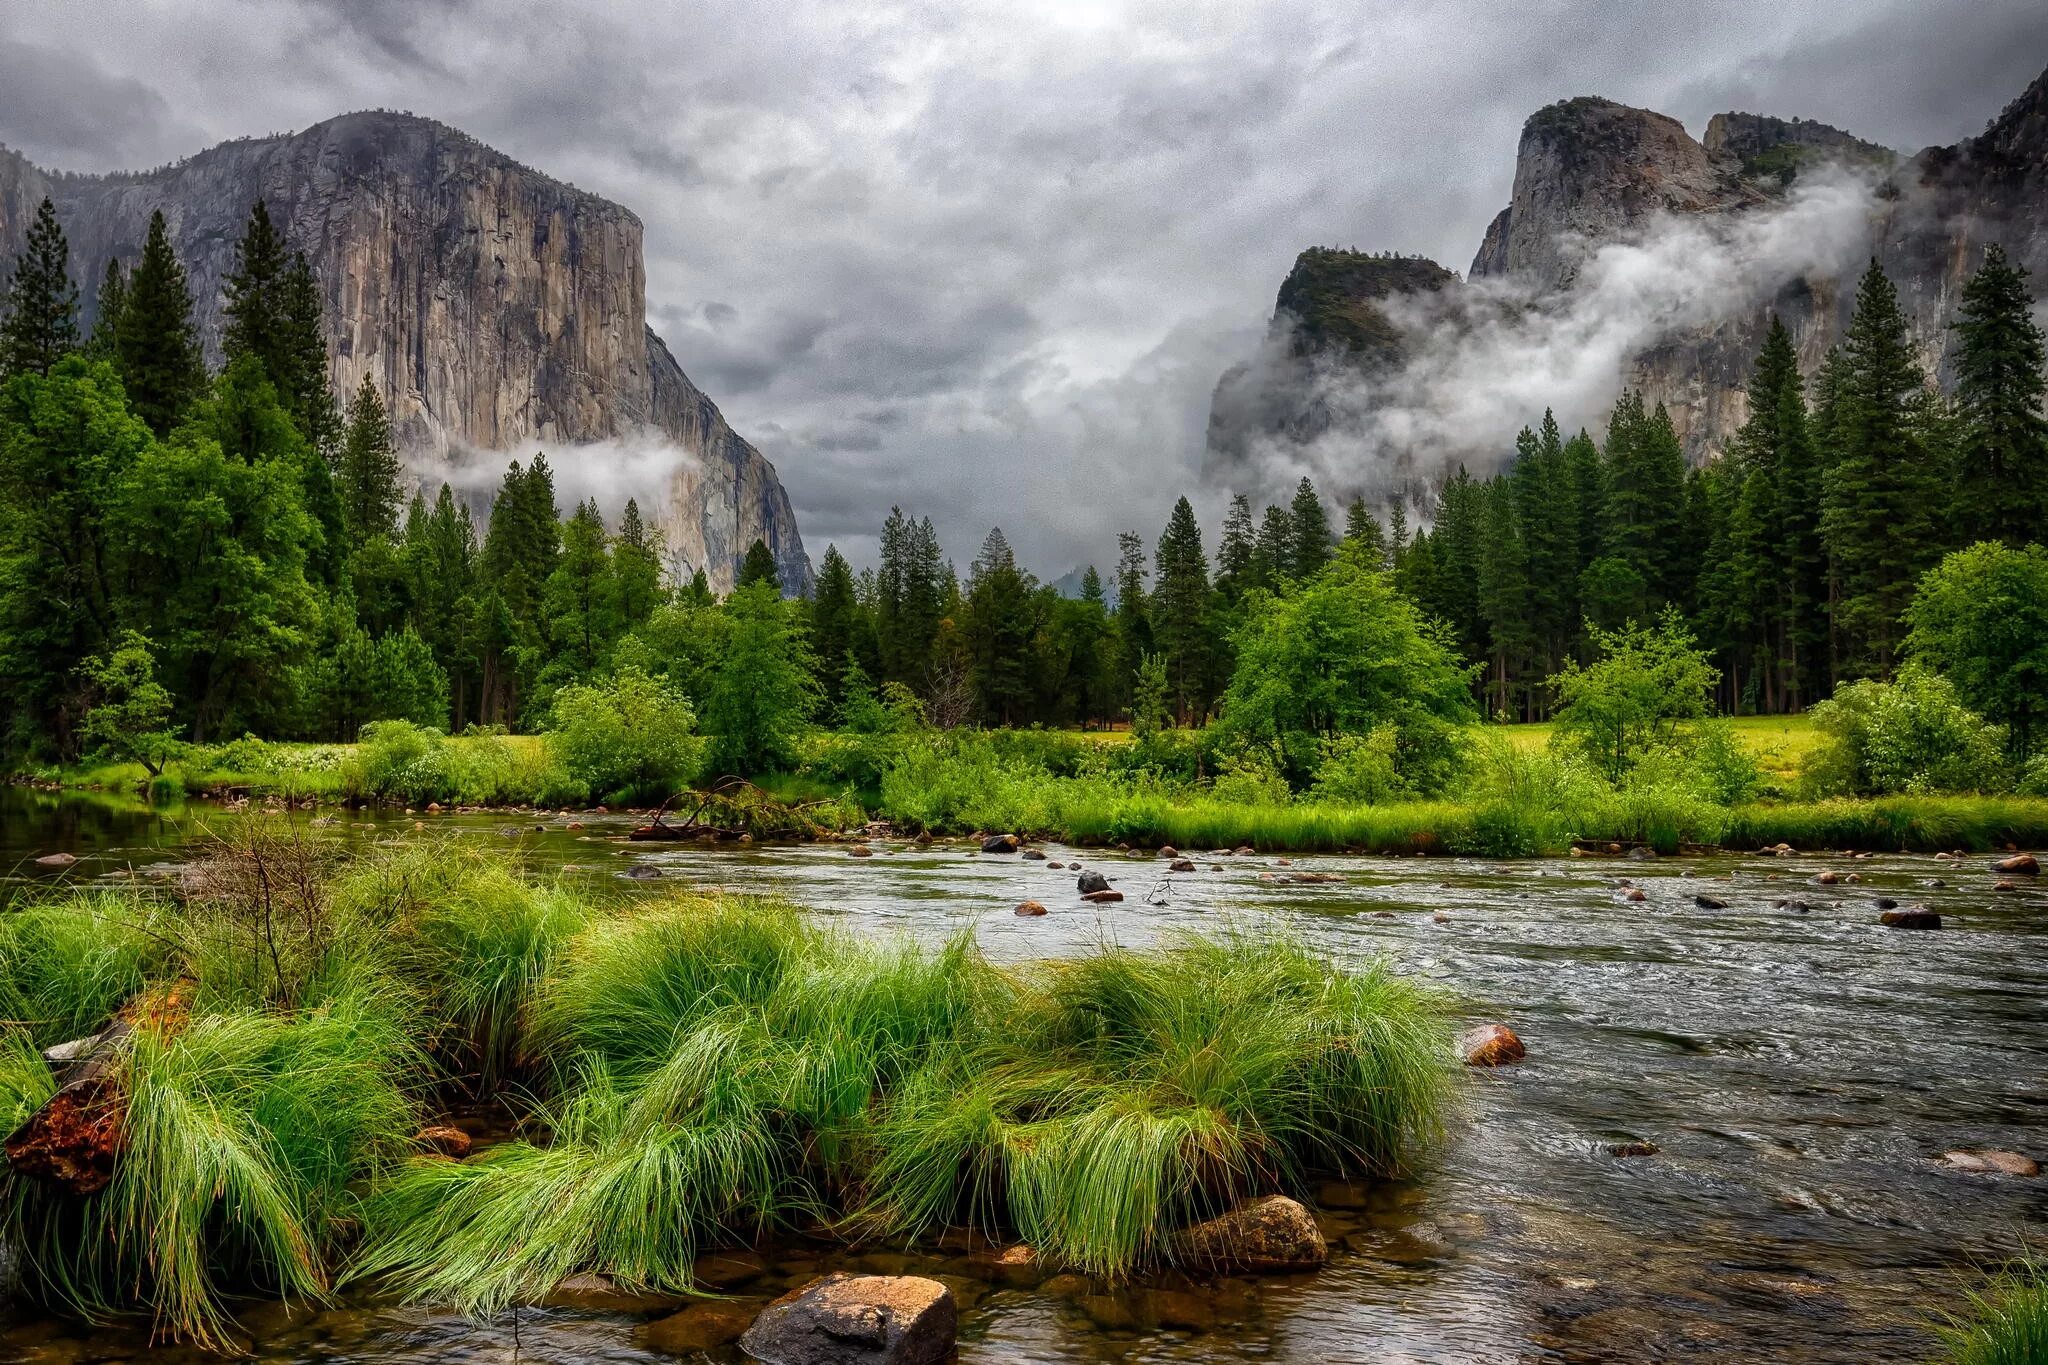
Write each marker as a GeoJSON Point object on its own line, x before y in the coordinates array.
{"type": "Point", "coordinates": [987, 259]}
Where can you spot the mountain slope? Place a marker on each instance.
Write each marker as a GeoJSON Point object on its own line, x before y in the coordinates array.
{"type": "Point", "coordinates": [498, 309]}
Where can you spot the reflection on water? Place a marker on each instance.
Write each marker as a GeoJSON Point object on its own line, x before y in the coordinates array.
{"type": "Point", "coordinates": [1797, 1070]}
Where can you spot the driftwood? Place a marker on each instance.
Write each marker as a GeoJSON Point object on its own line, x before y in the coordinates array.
{"type": "Point", "coordinates": [74, 1140]}
{"type": "Point", "coordinates": [731, 797]}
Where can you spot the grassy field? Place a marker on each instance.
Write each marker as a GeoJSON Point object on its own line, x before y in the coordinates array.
{"type": "Point", "coordinates": [1778, 743]}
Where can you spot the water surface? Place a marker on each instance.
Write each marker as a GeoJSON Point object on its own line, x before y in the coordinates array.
{"type": "Point", "coordinates": [1799, 1072]}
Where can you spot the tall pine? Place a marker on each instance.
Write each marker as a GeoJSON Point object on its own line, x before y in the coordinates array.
{"type": "Point", "coordinates": [367, 474]}
{"type": "Point", "coordinates": [1180, 612]}
{"type": "Point", "coordinates": [156, 347]}
{"type": "Point", "coordinates": [1879, 517]}
{"type": "Point", "coordinates": [40, 325]}
{"type": "Point", "coordinates": [2002, 482]}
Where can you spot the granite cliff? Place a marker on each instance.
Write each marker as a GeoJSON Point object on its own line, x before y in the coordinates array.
{"type": "Point", "coordinates": [498, 309]}
{"type": "Point", "coordinates": [1589, 172]}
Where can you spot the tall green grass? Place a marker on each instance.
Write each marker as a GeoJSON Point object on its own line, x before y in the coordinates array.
{"type": "Point", "coordinates": [68, 964]}
{"type": "Point", "coordinates": [243, 1137]}
{"type": "Point", "coordinates": [2008, 1322]}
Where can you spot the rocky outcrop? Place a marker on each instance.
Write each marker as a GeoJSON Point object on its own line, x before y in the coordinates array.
{"type": "Point", "coordinates": [843, 1319]}
{"type": "Point", "coordinates": [1589, 171]}
{"type": "Point", "coordinates": [497, 308]}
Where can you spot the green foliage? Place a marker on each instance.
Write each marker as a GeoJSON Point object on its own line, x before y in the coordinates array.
{"type": "Point", "coordinates": [763, 688]}
{"type": "Point", "coordinates": [2007, 1324]}
{"type": "Point", "coordinates": [1344, 654]}
{"type": "Point", "coordinates": [1362, 769]}
{"type": "Point", "coordinates": [367, 474]}
{"type": "Point", "coordinates": [1910, 736]}
{"type": "Point", "coordinates": [39, 325]}
{"type": "Point", "coordinates": [2000, 385]}
{"type": "Point", "coordinates": [154, 343]}
{"type": "Point", "coordinates": [628, 738]}
{"type": "Point", "coordinates": [1637, 695]}
{"type": "Point", "coordinates": [1150, 708]}
{"type": "Point", "coordinates": [68, 964]}
{"type": "Point", "coordinates": [1980, 619]}
{"type": "Point", "coordinates": [131, 710]}
{"type": "Point", "coordinates": [758, 567]}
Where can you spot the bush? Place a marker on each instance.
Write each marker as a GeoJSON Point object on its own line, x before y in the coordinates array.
{"type": "Point", "coordinates": [1912, 736]}
{"type": "Point", "coordinates": [628, 738]}
{"type": "Point", "coordinates": [1638, 695]}
{"type": "Point", "coordinates": [1359, 769]}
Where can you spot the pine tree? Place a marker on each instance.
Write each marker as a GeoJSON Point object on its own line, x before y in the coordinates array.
{"type": "Point", "coordinates": [1132, 620]}
{"type": "Point", "coordinates": [302, 378]}
{"type": "Point", "coordinates": [108, 306]}
{"type": "Point", "coordinates": [368, 476]}
{"type": "Point", "coordinates": [40, 325]}
{"type": "Point", "coordinates": [1881, 493]}
{"type": "Point", "coordinates": [636, 569]}
{"type": "Point", "coordinates": [1503, 592]}
{"type": "Point", "coordinates": [1180, 612]}
{"type": "Point", "coordinates": [156, 347]}
{"type": "Point", "coordinates": [577, 597]}
{"type": "Point", "coordinates": [1397, 529]}
{"type": "Point", "coordinates": [1363, 535]}
{"type": "Point", "coordinates": [1235, 548]}
{"type": "Point", "coordinates": [997, 627]}
{"type": "Point", "coordinates": [835, 624]}
{"type": "Point", "coordinates": [255, 323]}
{"type": "Point", "coordinates": [759, 567]}
{"type": "Point", "coordinates": [1272, 551]}
{"type": "Point", "coordinates": [1310, 547]}
{"type": "Point", "coordinates": [2002, 491]}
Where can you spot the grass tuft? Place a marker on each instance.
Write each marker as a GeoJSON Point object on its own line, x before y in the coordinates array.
{"type": "Point", "coordinates": [2008, 1323]}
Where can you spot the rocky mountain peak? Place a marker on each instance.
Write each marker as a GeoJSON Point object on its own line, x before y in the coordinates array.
{"type": "Point", "coordinates": [1587, 168]}
{"type": "Point", "coordinates": [1332, 298]}
{"type": "Point", "coordinates": [1775, 148]}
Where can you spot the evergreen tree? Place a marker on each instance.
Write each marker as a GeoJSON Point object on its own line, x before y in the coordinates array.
{"type": "Point", "coordinates": [40, 324]}
{"type": "Point", "coordinates": [108, 306]}
{"type": "Point", "coordinates": [1364, 536]}
{"type": "Point", "coordinates": [518, 555]}
{"type": "Point", "coordinates": [997, 630]}
{"type": "Point", "coordinates": [156, 347]}
{"type": "Point", "coordinates": [1235, 548]}
{"type": "Point", "coordinates": [1881, 494]}
{"type": "Point", "coordinates": [636, 569]}
{"type": "Point", "coordinates": [1644, 471]}
{"type": "Point", "coordinates": [909, 599]}
{"type": "Point", "coordinates": [367, 475]}
{"type": "Point", "coordinates": [1180, 612]}
{"type": "Point", "coordinates": [1397, 529]}
{"type": "Point", "coordinates": [2002, 491]}
{"type": "Point", "coordinates": [255, 324]}
{"type": "Point", "coordinates": [578, 599]}
{"type": "Point", "coordinates": [1132, 621]}
{"type": "Point", "coordinates": [303, 380]}
{"type": "Point", "coordinates": [441, 561]}
{"type": "Point", "coordinates": [835, 625]}
{"type": "Point", "coordinates": [1503, 592]}
{"type": "Point", "coordinates": [759, 567]}
{"type": "Point", "coordinates": [1272, 552]}
{"type": "Point", "coordinates": [1310, 547]}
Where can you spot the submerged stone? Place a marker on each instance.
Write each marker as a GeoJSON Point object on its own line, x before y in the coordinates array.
{"type": "Point", "coordinates": [1912, 917]}
{"type": "Point", "coordinates": [2020, 864]}
{"type": "Point", "coordinates": [706, 1326]}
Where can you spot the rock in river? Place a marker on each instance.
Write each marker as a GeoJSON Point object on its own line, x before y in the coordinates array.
{"type": "Point", "coordinates": [1273, 1233]}
{"type": "Point", "coordinates": [1491, 1045]}
{"type": "Point", "coordinates": [1091, 882]}
{"type": "Point", "coordinates": [2022, 864]}
{"type": "Point", "coordinates": [845, 1319]}
{"type": "Point", "coordinates": [1102, 897]}
{"type": "Point", "coordinates": [1709, 903]}
{"type": "Point", "coordinates": [1181, 865]}
{"type": "Point", "coordinates": [1912, 917]}
{"type": "Point", "coordinates": [1001, 843]}
{"type": "Point", "coordinates": [1029, 908]}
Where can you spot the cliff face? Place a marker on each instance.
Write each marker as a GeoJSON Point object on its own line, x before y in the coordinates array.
{"type": "Point", "coordinates": [496, 308]}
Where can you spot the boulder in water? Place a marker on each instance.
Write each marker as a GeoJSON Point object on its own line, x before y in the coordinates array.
{"type": "Point", "coordinates": [1269, 1234]}
{"type": "Point", "coordinates": [1181, 865]}
{"type": "Point", "coordinates": [1090, 882]}
{"type": "Point", "coordinates": [1911, 917]}
{"type": "Point", "coordinates": [1102, 897]}
{"type": "Point", "coordinates": [1029, 908]}
{"type": "Point", "coordinates": [57, 860]}
{"type": "Point", "coordinates": [843, 1319]}
{"type": "Point", "coordinates": [1001, 843]}
{"type": "Point", "coordinates": [2019, 864]}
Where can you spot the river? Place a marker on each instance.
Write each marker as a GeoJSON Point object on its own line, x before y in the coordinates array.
{"type": "Point", "coordinates": [1800, 1073]}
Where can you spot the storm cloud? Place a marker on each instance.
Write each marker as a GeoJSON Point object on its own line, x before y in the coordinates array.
{"type": "Point", "coordinates": [987, 260]}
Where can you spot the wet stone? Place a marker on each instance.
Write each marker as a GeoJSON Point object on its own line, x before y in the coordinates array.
{"type": "Point", "coordinates": [857, 1320]}
{"type": "Point", "coordinates": [707, 1326]}
{"type": "Point", "coordinates": [1491, 1045]}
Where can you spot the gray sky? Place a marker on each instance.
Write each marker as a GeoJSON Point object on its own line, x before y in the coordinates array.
{"type": "Point", "coordinates": [987, 259]}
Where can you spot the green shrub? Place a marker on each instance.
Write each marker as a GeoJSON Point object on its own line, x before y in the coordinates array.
{"type": "Point", "coordinates": [629, 738]}
{"type": "Point", "coordinates": [1912, 736]}
{"type": "Point", "coordinates": [67, 965]}
{"type": "Point", "coordinates": [1361, 769]}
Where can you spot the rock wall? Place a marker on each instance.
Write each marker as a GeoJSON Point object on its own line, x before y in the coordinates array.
{"type": "Point", "coordinates": [496, 308]}
{"type": "Point", "coordinates": [1589, 171]}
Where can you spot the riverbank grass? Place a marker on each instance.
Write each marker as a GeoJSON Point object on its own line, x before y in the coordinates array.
{"type": "Point", "coordinates": [687, 1073]}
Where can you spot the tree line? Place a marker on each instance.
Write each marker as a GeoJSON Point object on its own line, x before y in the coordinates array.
{"type": "Point", "coordinates": [250, 542]}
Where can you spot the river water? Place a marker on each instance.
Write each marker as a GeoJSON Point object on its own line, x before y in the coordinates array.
{"type": "Point", "coordinates": [1800, 1073]}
